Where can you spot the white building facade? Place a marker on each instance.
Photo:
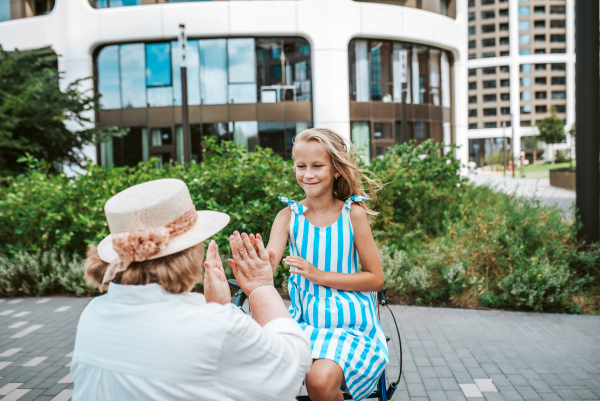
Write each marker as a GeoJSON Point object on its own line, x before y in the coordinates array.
{"type": "Point", "coordinates": [259, 71]}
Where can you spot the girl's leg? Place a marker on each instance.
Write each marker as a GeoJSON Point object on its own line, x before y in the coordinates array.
{"type": "Point", "coordinates": [323, 381]}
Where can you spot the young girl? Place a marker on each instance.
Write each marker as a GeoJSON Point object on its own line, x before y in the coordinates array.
{"type": "Point", "coordinates": [328, 231]}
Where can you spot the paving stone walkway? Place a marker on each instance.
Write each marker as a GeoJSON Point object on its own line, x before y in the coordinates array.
{"type": "Point", "coordinates": [448, 354]}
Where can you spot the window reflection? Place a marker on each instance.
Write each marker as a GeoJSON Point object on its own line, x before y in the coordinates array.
{"type": "Point", "coordinates": [213, 70]}
{"type": "Point", "coordinates": [158, 64]}
{"type": "Point", "coordinates": [376, 69]}
{"type": "Point", "coordinates": [108, 78]}
{"type": "Point", "coordinates": [242, 87]}
{"type": "Point", "coordinates": [193, 73]}
{"type": "Point", "coordinates": [271, 135]}
{"type": "Point", "coordinates": [133, 75]}
{"type": "Point", "coordinates": [245, 133]}
{"type": "Point", "coordinates": [117, 3]}
{"type": "Point", "coordinates": [4, 10]}
{"type": "Point", "coordinates": [361, 139]}
{"type": "Point", "coordinates": [161, 136]}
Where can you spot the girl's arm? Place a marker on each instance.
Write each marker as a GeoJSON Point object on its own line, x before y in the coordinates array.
{"type": "Point", "coordinates": [280, 232]}
{"type": "Point", "coordinates": [371, 277]}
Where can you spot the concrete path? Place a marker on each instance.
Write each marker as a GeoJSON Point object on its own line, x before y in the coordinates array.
{"type": "Point", "coordinates": [448, 354]}
{"type": "Point", "coordinates": [538, 188]}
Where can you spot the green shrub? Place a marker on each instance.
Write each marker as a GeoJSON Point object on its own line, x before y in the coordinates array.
{"type": "Point", "coordinates": [440, 238]}
{"type": "Point", "coordinates": [47, 273]}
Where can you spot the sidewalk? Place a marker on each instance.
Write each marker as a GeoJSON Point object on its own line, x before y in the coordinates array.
{"type": "Point", "coordinates": [538, 188]}
{"type": "Point", "coordinates": [448, 354]}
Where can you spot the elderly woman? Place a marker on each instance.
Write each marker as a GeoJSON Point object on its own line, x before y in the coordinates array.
{"type": "Point", "coordinates": [150, 338]}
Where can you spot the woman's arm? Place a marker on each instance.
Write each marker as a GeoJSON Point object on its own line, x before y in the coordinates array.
{"type": "Point", "coordinates": [280, 232]}
{"type": "Point", "coordinates": [371, 277]}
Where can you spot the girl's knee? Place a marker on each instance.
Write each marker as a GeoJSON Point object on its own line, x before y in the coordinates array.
{"type": "Point", "coordinates": [323, 382]}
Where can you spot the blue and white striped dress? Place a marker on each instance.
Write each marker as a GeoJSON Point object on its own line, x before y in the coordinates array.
{"type": "Point", "coordinates": [342, 325]}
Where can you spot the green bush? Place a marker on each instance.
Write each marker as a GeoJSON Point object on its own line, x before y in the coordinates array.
{"type": "Point", "coordinates": [440, 238]}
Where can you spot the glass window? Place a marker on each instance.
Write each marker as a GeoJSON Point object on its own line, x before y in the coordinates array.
{"type": "Point", "coordinates": [558, 51]}
{"type": "Point", "coordinates": [401, 69]}
{"type": "Point", "coordinates": [471, 16]}
{"type": "Point", "coordinates": [505, 110]}
{"type": "Point", "coordinates": [540, 81]}
{"type": "Point", "coordinates": [540, 67]}
{"type": "Point", "coordinates": [161, 136]}
{"type": "Point", "coordinates": [489, 84]}
{"type": "Point", "coordinates": [557, 9]}
{"type": "Point", "coordinates": [221, 131]}
{"type": "Point", "coordinates": [434, 76]}
{"type": "Point", "coordinates": [488, 70]}
{"type": "Point", "coordinates": [559, 81]}
{"type": "Point", "coordinates": [421, 130]}
{"type": "Point", "coordinates": [541, 109]}
{"type": "Point", "coordinates": [524, 25]}
{"type": "Point", "coordinates": [504, 27]}
{"type": "Point", "coordinates": [503, 12]}
{"type": "Point", "coordinates": [272, 135]}
{"type": "Point", "coordinates": [382, 131]}
{"type": "Point", "coordinates": [472, 85]}
{"type": "Point", "coordinates": [561, 108]}
{"type": "Point", "coordinates": [526, 123]}
{"type": "Point", "coordinates": [472, 71]}
{"type": "Point", "coordinates": [472, 44]}
{"type": "Point", "coordinates": [158, 64]}
{"type": "Point", "coordinates": [484, 2]}
{"type": "Point", "coordinates": [504, 96]}
{"type": "Point", "coordinates": [472, 125]}
{"type": "Point", "coordinates": [487, 55]}
{"type": "Point", "coordinates": [524, 52]}
{"type": "Point", "coordinates": [558, 38]}
{"type": "Point", "coordinates": [540, 51]}
{"type": "Point", "coordinates": [524, 39]}
{"type": "Point", "coordinates": [160, 96]}
{"type": "Point", "coordinates": [472, 112]}
{"type": "Point", "coordinates": [504, 68]}
{"type": "Point", "coordinates": [4, 10]}
{"type": "Point", "coordinates": [361, 139]}
{"type": "Point", "coordinates": [245, 133]}
{"type": "Point", "coordinates": [526, 109]}
{"type": "Point", "coordinates": [419, 74]}
{"type": "Point", "coordinates": [213, 71]}
{"type": "Point", "coordinates": [133, 75]}
{"type": "Point", "coordinates": [381, 71]}
{"type": "Point", "coordinates": [526, 95]}
{"type": "Point", "coordinates": [117, 3]}
{"type": "Point", "coordinates": [540, 38]}
{"type": "Point", "coordinates": [504, 40]}
{"type": "Point", "coordinates": [540, 95]}
{"type": "Point", "coordinates": [293, 128]}
{"type": "Point", "coordinates": [471, 30]}
{"type": "Point", "coordinates": [558, 66]}
{"type": "Point", "coordinates": [109, 84]}
{"type": "Point", "coordinates": [558, 23]}
{"type": "Point", "coordinates": [488, 42]}
{"type": "Point", "coordinates": [488, 14]}
{"type": "Point", "coordinates": [525, 67]}
{"type": "Point", "coordinates": [539, 9]}
{"type": "Point", "coordinates": [472, 56]}
{"type": "Point", "coordinates": [192, 74]}
{"type": "Point", "coordinates": [525, 82]}
{"type": "Point", "coordinates": [505, 82]}
{"type": "Point", "coordinates": [487, 28]}
{"type": "Point", "coordinates": [523, 11]}
{"type": "Point", "coordinates": [539, 24]}
{"type": "Point", "coordinates": [489, 98]}
{"type": "Point", "coordinates": [473, 99]}
{"type": "Point", "coordinates": [489, 125]}
{"type": "Point", "coordinates": [490, 112]}
{"type": "Point", "coordinates": [242, 86]}
{"type": "Point", "coordinates": [359, 71]}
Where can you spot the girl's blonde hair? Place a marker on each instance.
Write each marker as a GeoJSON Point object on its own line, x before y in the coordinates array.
{"type": "Point", "coordinates": [343, 155]}
{"type": "Point", "coordinates": [175, 273]}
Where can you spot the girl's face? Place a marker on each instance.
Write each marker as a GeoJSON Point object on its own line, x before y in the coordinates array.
{"type": "Point", "coordinates": [315, 172]}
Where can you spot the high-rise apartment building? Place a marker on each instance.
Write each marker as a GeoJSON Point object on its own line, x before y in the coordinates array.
{"type": "Point", "coordinates": [521, 65]}
{"type": "Point", "coordinates": [258, 72]}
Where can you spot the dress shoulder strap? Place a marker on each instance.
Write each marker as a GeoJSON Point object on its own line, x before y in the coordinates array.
{"type": "Point", "coordinates": [295, 206]}
{"type": "Point", "coordinates": [353, 199]}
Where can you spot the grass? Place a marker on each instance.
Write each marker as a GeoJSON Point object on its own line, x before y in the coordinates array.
{"type": "Point", "coordinates": [541, 170]}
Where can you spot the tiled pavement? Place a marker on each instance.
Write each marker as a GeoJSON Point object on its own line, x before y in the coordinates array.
{"type": "Point", "coordinates": [448, 354]}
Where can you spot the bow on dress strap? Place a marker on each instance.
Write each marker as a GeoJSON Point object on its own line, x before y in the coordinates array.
{"type": "Point", "coordinates": [353, 199]}
{"type": "Point", "coordinates": [295, 206]}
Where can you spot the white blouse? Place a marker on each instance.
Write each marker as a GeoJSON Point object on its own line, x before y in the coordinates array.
{"type": "Point", "coordinates": [142, 343]}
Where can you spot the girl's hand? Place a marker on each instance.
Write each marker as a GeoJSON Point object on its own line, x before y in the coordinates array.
{"type": "Point", "coordinates": [216, 288]}
{"type": "Point", "coordinates": [304, 268]}
{"type": "Point", "coordinates": [255, 240]}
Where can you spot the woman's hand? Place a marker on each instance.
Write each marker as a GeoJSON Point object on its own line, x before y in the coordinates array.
{"type": "Point", "coordinates": [216, 288]}
{"type": "Point", "coordinates": [304, 268]}
{"type": "Point", "coordinates": [253, 240]}
{"type": "Point", "coordinates": [251, 266]}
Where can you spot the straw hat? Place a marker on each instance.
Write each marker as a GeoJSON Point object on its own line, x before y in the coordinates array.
{"type": "Point", "coordinates": [153, 205]}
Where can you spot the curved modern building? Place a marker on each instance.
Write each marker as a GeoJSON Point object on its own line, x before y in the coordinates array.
{"type": "Point", "coordinates": [258, 72]}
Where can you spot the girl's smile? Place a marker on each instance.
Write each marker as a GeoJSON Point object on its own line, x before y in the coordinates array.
{"type": "Point", "coordinates": [314, 168]}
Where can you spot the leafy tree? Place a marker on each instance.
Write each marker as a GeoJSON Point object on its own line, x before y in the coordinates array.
{"type": "Point", "coordinates": [33, 112]}
{"type": "Point", "coordinates": [552, 129]}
